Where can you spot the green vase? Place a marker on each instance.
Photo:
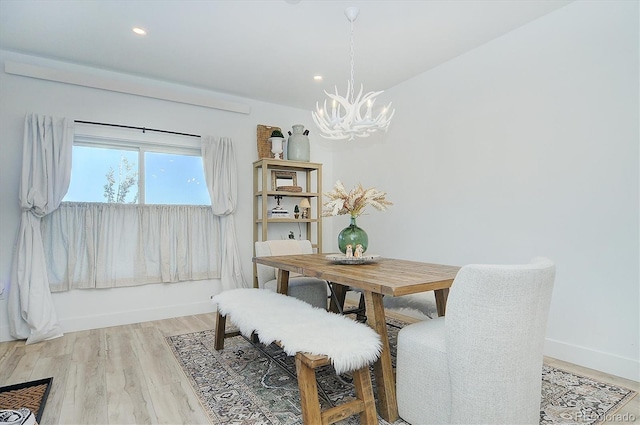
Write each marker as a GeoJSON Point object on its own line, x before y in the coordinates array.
{"type": "Point", "coordinates": [352, 235]}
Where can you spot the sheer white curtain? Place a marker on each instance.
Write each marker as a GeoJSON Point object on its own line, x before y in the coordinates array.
{"type": "Point", "coordinates": [46, 171]}
{"type": "Point", "coordinates": [102, 245]}
{"type": "Point", "coordinates": [221, 174]}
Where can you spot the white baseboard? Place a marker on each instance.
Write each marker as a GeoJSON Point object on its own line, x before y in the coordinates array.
{"type": "Point", "coordinates": [83, 323]}
{"type": "Point", "coordinates": [592, 359]}
{"type": "Point", "coordinates": [136, 316]}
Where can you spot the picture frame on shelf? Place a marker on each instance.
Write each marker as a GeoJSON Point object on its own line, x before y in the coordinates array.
{"type": "Point", "coordinates": [284, 180]}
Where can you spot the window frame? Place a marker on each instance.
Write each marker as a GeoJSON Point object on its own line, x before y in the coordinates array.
{"type": "Point", "coordinates": [96, 136]}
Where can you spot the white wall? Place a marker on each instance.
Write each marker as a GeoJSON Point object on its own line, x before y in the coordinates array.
{"type": "Point", "coordinates": [86, 309]}
{"type": "Point", "coordinates": [526, 146]}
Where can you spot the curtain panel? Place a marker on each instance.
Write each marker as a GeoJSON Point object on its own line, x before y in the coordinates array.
{"type": "Point", "coordinates": [221, 175]}
{"type": "Point", "coordinates": [46, 173]}
{"type": "Point", "coordinates": [98, 245]}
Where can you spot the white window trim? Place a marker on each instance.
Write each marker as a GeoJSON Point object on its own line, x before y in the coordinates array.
{"type": "Point", "coordinates": [136, 140]}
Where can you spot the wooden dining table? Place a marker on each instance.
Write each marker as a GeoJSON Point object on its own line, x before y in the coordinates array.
{"type": "Point", "coordinates": [375, 279]}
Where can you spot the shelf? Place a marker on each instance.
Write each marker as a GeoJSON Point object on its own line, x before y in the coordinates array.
{"type": "Point", "coordinates": [288, 194]}
{"type": "Point", "coordinates": [309, 178]}
{"type": "Point", "coordinates": [288, 220]}
{"type": "Point", "coordinates": [283, 164]}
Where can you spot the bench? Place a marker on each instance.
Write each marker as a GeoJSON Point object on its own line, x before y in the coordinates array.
{"type": "Point", "coordinates": [315, 337]}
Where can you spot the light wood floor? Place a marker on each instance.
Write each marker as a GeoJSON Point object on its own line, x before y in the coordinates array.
{"type": "Point", "coordinates": [127, 375]}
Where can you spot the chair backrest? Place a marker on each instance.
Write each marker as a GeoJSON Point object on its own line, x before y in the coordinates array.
{"type": "Point", "coordinates": [278, 247]}
{"type": "Point", "coordinates": [495, 325]}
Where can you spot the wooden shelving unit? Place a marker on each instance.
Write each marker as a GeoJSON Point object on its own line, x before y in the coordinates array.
{"type": "Point", "coordinates": [309, 178]}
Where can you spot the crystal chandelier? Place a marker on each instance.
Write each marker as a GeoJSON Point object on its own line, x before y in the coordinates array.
{"type": "Point", "coordinates": [350, 117]}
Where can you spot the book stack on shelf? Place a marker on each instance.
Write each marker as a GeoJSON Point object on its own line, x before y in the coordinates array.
{"type": "Point", "coordinates": [278, 213]}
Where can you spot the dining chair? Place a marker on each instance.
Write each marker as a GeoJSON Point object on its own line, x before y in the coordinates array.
{"type": "Point", "coordinates": [482, 362]}
{"type": "Point", "coordinates": [309, 289]}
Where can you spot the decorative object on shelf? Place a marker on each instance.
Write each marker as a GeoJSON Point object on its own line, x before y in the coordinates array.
{"type": "Point", "coordinates": [277, 140]}
{"type": "Point", "coordinates": [347, 119]}
{"type": "Point", "coordinates": [278, 211]}
{"type": "Point", "coordinates": [263, 133]}
{"type": "Point", "coordinates": [298, 145]}
{"type": "Point", "coordinates": [289, 189]}
{"type": "Point", "coordinates": [305, 205]}
{"type": "Point", "coordinates": [343, 259]}
{"type": "Point", "coordinates": [278, 207]}
{"type": "Point", "coordinates": [296, 212]}
{"type": "Point", "coordinates": [284, 179]}
{"type": "Point", "coordinates": [354, 202]}
{"type": "Point", "coordinates": [291, 235]}
{"type": "Point", "coordinates": [274, 213]}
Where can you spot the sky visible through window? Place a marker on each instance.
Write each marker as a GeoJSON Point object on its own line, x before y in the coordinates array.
{"type": "Point", "coordinates": [170, 178]}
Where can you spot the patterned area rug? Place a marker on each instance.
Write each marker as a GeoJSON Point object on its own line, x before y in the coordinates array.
{"type": "Point", "coordinates": [254, 385]}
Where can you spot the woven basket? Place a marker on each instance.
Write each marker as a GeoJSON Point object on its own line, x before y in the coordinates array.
{"type": "Point", "coordinates": [289, 188]}
{"type": "Point", "coordinates": [264, 147]}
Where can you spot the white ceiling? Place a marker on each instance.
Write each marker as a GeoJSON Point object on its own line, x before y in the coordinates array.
{"type": "Point", "coordinates": [262, 49]}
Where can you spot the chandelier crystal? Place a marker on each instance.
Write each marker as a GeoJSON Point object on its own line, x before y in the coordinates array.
{"type": "Point", "coordinates": [351, 117]}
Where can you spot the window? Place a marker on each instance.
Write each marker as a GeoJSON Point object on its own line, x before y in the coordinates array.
{"type": "Point", "coordinates": [136, 212]}
{"type": "Point", "coordinates": [136, 173]}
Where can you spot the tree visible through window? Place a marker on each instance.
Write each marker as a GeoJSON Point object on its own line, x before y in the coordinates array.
{"type": "Point", "coordinates": [127, 178]}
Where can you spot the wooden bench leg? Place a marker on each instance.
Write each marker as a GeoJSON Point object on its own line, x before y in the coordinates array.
{"type": "Point", "coordinates": [364, 404]}
{"type": "Point", "coordinates": [219, 332]}
{"type": "Point", "coordinates": [309, 401]}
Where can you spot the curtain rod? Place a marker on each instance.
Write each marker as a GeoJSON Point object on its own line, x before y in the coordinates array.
{"type": "Point", "coordinates": [144, 129]}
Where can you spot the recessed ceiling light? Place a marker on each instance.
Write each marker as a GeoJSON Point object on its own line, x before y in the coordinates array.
{"type": "Point", "coordinates": [139, 31]}
{"type": "Point", "coordinates": [317, 77]}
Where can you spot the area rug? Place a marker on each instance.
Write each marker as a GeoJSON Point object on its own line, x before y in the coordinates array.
{"type": "Point", "coordinates": [30, 395]}
{"type": "Point", "coordinates": [252, 384]}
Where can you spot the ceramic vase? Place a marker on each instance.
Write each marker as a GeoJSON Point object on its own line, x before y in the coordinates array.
{"type": "Point", "coordinates": [298, 145]}
{"type": "Point", "coordinates": [276, 146]}
{"type": "Point", "coordinates": [354, 236]}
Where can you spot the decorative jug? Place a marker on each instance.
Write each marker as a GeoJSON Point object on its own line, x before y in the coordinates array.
{"type": "Point", "coordinates": [298, 145]}
{"type": "Point", "coordinates": [352, 236]}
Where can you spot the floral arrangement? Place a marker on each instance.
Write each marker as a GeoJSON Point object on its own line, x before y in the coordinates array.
{"type": "Point", "coordinates": [354, 202]}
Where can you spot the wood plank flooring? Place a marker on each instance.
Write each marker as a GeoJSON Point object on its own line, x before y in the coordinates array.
{"type": "Point", "coordinates": [127, 375]}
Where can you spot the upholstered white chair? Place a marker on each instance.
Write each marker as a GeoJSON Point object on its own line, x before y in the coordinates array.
{"type": "Point", "coordinates": [309, 289]}
{"type": "Point", "coordinates": [482, 362]}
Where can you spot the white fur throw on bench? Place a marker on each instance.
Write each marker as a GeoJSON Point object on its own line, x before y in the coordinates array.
{"type": "Point", "coordinates": [300, 327]}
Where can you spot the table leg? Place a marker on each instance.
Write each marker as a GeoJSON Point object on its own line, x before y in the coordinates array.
{"type": "Point", "coordinates": [383, 369]}
{"type": "Point", "coordinates": [283, 282]}
{"type": "Point", "coordinates": [336, 305]}
{"type": "Point", "coordinates": [441, 300]}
